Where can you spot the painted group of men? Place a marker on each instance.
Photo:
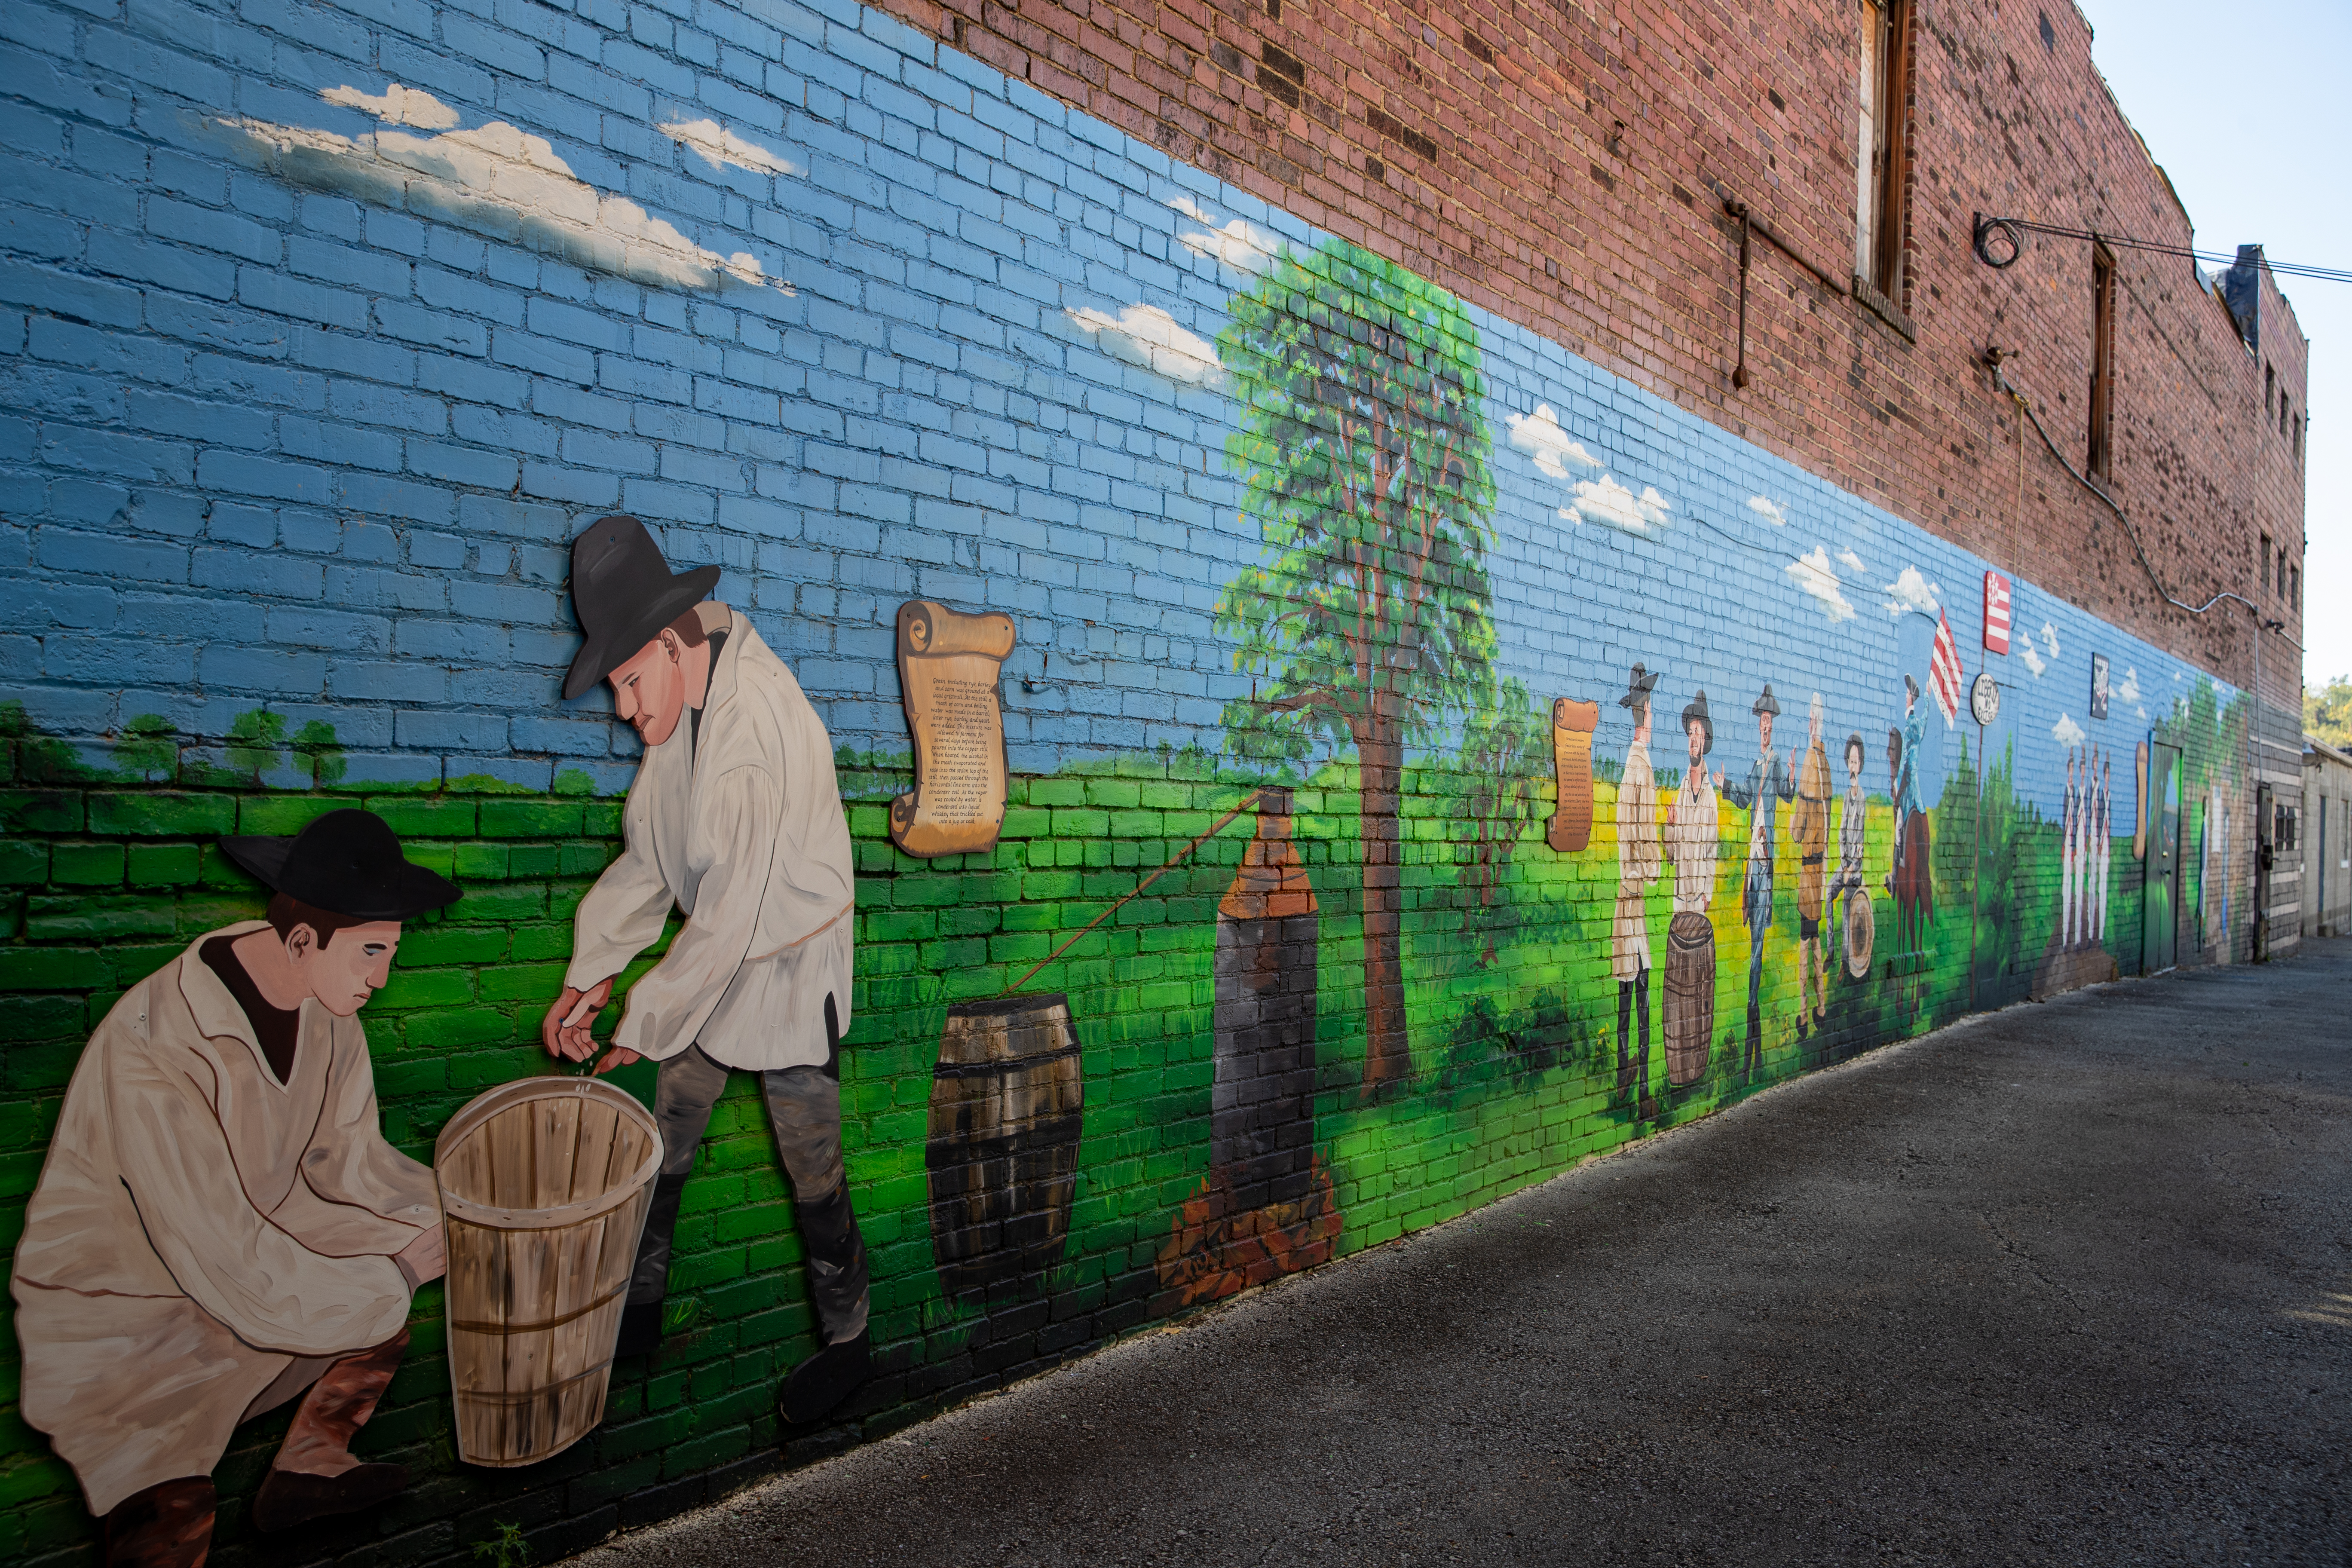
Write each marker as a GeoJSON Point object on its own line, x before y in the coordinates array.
{"type": "Point", "coordinates": [2086, 812]}
{"type": "Point", "coordinates": [220, 1227]}
{"type": "Point", "coordinates": [1690, 837]}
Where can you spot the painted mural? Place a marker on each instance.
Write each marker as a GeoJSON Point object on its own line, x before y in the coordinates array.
{"type": "Point", "coordinates": [1285, 854]}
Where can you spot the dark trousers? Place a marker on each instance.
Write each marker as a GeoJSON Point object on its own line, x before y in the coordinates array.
{"type": "Point", "coordinates": [1634, 1047]}
{"type": "Point", "coordinates": [805, 1112]}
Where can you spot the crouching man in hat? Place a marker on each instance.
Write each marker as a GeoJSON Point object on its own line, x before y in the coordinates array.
{"type": "Point", "coordinates": [220, 1226]}
{"type": "Point", "coordinates": [735, 820]}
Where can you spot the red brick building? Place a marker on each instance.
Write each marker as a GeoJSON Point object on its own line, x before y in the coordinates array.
{"type": "Point", "coordinates": [1572, 168]}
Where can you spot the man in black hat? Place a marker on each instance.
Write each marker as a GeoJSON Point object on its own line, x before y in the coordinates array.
{"type": "Point", "coordinates": [735, 820]}
{"type": "Point", "coordinates": [1769, 784]}
{"type": "Point", "coordinates": [1638, 864]}
{"type": "Point", "coordinates": [220, 1226]}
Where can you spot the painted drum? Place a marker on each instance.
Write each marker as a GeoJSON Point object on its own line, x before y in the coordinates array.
{"type": "Point", "coordinates": [1007, 1103]}
{"type": "Point", "coordinates": [544, 1187]}
{"type": "Point", "coordinates": [1690, 997]}
{"type": "Point", "coordinates": [1860, 930]}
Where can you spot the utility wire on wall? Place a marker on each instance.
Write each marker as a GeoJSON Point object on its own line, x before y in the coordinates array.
{"type": "Point", "coordinates": [1999, 241]}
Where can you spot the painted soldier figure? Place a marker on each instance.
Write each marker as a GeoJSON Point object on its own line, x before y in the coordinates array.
{"type": "Point", "coordinates": [220, 1226]}
{"type": "Point", "coordinates": [1638, 864]}
{"type": "Point", "coordinates": [1808, 832]}
{"type": "Point", "coordinates": [734, 819]}
{"type": "Point", "coordinates": [1767, 784]}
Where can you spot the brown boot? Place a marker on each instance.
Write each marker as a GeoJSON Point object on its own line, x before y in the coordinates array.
{"type": "Point", "coordinates": [168, 1525]}
{"type": "Point", "coordinates": [315, 1474]}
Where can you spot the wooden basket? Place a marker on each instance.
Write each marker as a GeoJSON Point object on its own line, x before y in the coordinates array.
{"type": "Point", "coordinates": [545, 1188]}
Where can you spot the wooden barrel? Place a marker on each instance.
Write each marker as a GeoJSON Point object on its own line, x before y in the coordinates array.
{"type": "Point", "coordinates": [1690, 997]}
{"type": "Point", "coordinates": [1007, 1101]}
{"type": "Point", "coordinates": [1861, 932]}
{"type": "Point", "coordinates": [544, 1187]}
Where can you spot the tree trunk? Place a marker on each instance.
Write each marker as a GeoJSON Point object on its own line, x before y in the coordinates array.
{"type": "Point", "coordinates": [1388, 1053]}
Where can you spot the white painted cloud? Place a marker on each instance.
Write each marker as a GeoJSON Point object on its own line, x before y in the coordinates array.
{"type": "Point", "coordinates": [397, 105]}
{"type": "Point", "coordinates": [493, 179]}
{"type": "Point", "coordinates": [1852, 563]}
{"type": "Point", "coordinates": [1612, 505]}
{"type": "Point", "coordinates": [2129, 691]}
{"type": "Point", "coordinates": [1538, 435]}
{"type": "Point", "coordinates": [1811, 572]}
{"type": "Point", "coordinates": [2034, 660]}
{"type": "Point", "coordinates": [721, 146]}
{"type": "Point", "coordinates": [1240, 245]}
{"type": "Point", "coordinates": [1762, 507]}
{"type": "Point", "coordinates": [2067, 733]}
{"type": "Point", "coordinates": [1148, 336]}
{"type": "Point", "coordinates": [2050, 638]}
{"type": "Point", "coordinates": [1911, 592]}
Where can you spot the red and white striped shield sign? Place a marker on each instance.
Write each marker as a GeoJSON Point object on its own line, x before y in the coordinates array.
{"type": "Point", "coordinates": [1996, 612]}
{"type": "Point", "coordinates": [1944, 670]}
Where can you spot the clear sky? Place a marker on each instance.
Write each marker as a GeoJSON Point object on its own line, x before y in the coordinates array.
{"type": "Point", "coordinates": [2248, 110]}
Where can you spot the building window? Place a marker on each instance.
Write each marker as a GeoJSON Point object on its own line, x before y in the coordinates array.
{"type": "Point", "coordinates": [2266, 562]}
{"type": "Point", "coordinates": [2282, 408]}
{"type": "Point", "coordinates": [2294, 589]}
{"type": "Point", "coordinates": [2103, 356]}
{"type": "Point", "coordinates": [2270, 387]}
{"type": "Point", "coordinates": [2296, 450]}
{"type": "Point", "coordinates": [1882, 152]}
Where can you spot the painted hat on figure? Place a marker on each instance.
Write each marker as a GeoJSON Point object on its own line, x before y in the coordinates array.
{"type": "Point", "coordinates": [1768, 703]}
{"type": "Point", "coordinates": [1637, 689]}
{"type": "Point", "coordinates": [1696, 713]}
{"type": "Point", "coordinates": [347, 862]}
{"type": "Point", "coordinates": [624, 593]}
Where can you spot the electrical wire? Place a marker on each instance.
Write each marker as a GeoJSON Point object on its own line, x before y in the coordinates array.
{"type": "Point", "coordinates": [2013, 229]}
{"type": "Point", "coordinates": [2262, 622]}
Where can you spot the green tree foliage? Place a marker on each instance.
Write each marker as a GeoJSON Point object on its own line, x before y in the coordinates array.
{"type": "Point", "coordinates": [1363, 451]}
{"type": "Point", "coordinates": [322, 754]}
{"type": "Point", "coordinates": [1505, 750]}
{"type": "Point", "coordinates": [148, 749]}
{"type": "Point", "coordinates": [2327, 712]}
{"type": "Point", "coordinates": [256, 742]}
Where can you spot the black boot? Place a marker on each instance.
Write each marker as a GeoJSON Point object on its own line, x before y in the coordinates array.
{"type": "Point", "coordinates": [641, 1317]}
{"type": "Point", "coordinates": [815, 1386]}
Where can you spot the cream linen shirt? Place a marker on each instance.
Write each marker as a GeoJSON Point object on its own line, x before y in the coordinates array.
{"type": "Point", "coordinates": [741, 828]}
{"type": "Point", "coordinates": [200, 1228]}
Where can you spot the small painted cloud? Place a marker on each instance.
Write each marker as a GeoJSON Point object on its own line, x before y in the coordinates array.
{"type": "Point", "coordinates": [2050, 638]}
{"type": "Point", "coordinates": [2033, 661]}
{"type": "Point", "coordinates": [396, 105]}
{"type": "Point", "coordinates": [1853, 563]}
{"type": "Point", "coordinates": [2128, 691]}
{"type": "Point", "coordinates": [1605, 502]}
{"type": "Point", "coordinates": [721, 146]}
{"type": "Point", "coordinates": [1911, 592]}
{"type": "Point", "coordinates": [1148, 336]}
{"type": "Point", "coordinates": [493, 179]}
{"type": "Point", "coordinates": [1240, 245]}
{"type": "Point", "coordinates": [1538, 435]}
{"type": "Point", "coordinates": [1811, 572]}
{"type": "Point", "coordinates": [1762, 506]}
{"type": "Point", "coordinates": [2067, 733]}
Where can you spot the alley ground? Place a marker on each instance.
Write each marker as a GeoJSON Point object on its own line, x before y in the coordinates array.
{"type": "Point", "coordinates": [2072, 1283]}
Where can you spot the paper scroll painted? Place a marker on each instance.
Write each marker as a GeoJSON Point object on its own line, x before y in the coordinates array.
{"type": "Point", "coordinates": [1572, 723]}
{"type": "Point", "coordinates": [948, 664]}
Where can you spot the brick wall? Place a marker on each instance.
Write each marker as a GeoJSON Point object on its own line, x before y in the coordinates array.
{"type": "Point", "coordinates": [327, 327]}
{"type": "Point", "coordinates": [1564, 165]}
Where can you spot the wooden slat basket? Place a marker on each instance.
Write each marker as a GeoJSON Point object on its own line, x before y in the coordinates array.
{"type": "Point", "coordinates": [545, 1188]}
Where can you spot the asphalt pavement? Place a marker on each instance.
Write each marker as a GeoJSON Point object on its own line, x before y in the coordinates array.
{"type": "Point", "coordinates": [2071, 1283]}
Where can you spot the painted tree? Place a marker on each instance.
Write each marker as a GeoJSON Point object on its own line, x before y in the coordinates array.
{"type": "Point", "coordinates": [1363, 451]}
{"type": "Point", "coordinates": [1506, 749]}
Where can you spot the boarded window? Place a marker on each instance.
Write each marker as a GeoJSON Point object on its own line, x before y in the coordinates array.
{"type": "Point", "coordinates": [1881, 150]}
{"type": "Point", "coordinates": [2103, 360]}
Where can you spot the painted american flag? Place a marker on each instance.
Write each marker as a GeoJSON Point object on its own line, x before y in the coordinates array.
{"type": "Point", "coordinates": [1996, 613]}
{"type": "Point", "coordinates": [1944, 670]}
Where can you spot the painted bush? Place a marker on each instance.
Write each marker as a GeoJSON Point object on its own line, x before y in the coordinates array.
{"type": "Point", "coordinates": [315, 371]}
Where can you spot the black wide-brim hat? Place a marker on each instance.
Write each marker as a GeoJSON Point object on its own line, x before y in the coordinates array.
{"type": "Point", "coordinates": [1768, 703]}
{"type": "Point", "coordinates": [624, 593]}
{"type": "Point", "coordinates": [1698, 711]}
{"type": "Point", "coordinates": [1637, 689]}
{"type": "Point", "coordinates": [347, 862]}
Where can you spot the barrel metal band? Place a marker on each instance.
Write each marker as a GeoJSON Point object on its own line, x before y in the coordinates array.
{"type": "Point", "coordinates": [604, 1299]}
{"type": "Point", "coordinates": [530, 1395]}
{"type": "Point", "coordinates": [1009, 1064]}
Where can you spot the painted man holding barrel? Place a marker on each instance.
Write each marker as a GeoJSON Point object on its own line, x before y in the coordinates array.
{"type": "Point", "coordinates": [220, 1226]}
{"type": "Point", "coordinates": [1694, 829]}
{"type": "Point", "coordinates": [734, 819]}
